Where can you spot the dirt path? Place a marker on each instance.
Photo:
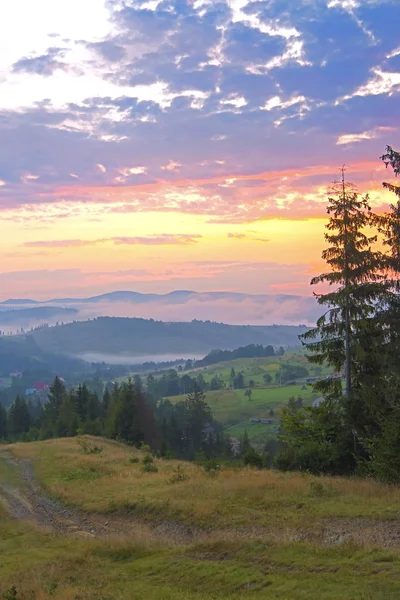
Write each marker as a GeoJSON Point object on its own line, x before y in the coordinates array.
{"type": "Point", "coordinates": [26, 501]}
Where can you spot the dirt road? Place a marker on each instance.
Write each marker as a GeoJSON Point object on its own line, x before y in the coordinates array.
{"type": "Point", "coordinates": [27, 502]}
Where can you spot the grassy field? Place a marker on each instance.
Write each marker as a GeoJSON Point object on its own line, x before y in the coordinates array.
{"type": "Point", "coordinates": [249, 549]}
{"type": "Point", "coordinates": [44, 567]}
{"type": "Point", "coordinates": [234, 410]}
{"type": "Point", "coordinates": [110, 483]}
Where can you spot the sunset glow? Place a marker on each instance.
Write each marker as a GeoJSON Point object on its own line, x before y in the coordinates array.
{"type": "Point", "coordinates": [153, 146]}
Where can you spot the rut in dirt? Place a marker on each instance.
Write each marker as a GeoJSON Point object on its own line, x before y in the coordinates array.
{"type": "Point", "coordinates": [28, 503]}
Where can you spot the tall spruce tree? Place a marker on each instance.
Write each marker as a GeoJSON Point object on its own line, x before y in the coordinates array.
{"type": "Point", "coordinates": [384, 446]}
{"type": "Point", "coordinates": [389, 226]}
{"type": "Point", "coordinates": [348, 335]}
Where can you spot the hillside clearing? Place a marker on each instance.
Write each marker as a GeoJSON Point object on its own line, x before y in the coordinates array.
{"type": "Point", "coordinates": [255, 551]}
{"type": "Point", "coordinates": [109, 483]}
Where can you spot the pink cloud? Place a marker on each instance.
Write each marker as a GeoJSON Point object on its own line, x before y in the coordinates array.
{"type": "Point", "coordinates": [163, 239]}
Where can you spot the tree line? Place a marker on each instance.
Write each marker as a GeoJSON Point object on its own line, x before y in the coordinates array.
{"type": "Point", "coordinates": [356, 429]}
{"type": "Point", "coordinates": [126, 412]}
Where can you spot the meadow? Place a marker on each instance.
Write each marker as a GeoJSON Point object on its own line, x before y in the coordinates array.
{"type": "Point", "coordinates": [253, 534]}
{"type": "Point", "coordinates": [234, 410]}
{"type": "Point", "coordinates": [113, 482]}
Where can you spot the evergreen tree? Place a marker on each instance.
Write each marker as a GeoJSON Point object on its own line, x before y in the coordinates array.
{"type": "Point", "coordinates": [19, 419]}
{"type": "Point", "coordinates": [51, 408]}
{"type": "Point", "coordinates": [197, 417]}
{"type": "Point", "coordinates": [105, 404]}
{"type": "Point", "coordinates": [3, 423]}
{"type": "Point", "coordinates": [244, 444]}
{"type": "Point", "coordinates": [67, 421]}
{"type": "Point", "coordinates": [349, 335]}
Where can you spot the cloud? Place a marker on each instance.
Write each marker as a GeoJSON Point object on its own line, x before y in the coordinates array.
{"type": "Point", "coordinates": [352, 138]}
{"type": "Point", "coordinates": [44, 64]}
{"type": "Point", "coordinates": [382, 82]}
{"type": "Point", "coordinates": [227, 112]}
{"type": "Point", "coordinates": [275, 102]}
{"type": "Point", "coordinates": [133, 171]}
{"type": "Point", "coordinates": [157, 240]}
{"type": "Point", "coordinates": [237, 236]}
{"type": "Point", "coordinates": [172, 165]}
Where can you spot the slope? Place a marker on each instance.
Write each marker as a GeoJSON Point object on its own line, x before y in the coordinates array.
{"type": "Point", "coordinates": [250, 534]}
{"type": "Point", "coordinates": [112, 335]}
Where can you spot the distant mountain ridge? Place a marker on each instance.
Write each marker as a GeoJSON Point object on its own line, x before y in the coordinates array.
{"type": "Point", "coordinates": [138, 297]}
{"type": "Point", "coordinates": [235, 308]}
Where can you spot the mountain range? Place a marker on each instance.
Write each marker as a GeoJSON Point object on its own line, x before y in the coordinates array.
{"type": "Point", "coordinates": [234, 308]}
{"type": "Point", "coordinates": [177, 296]}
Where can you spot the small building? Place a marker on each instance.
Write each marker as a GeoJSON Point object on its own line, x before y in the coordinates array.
{"type": "Point", "coordinates": [263, 421]}
{"type": "Point", "coordinates": [16, 374]}
{"type": "Point", "coordinates": [40, 386]}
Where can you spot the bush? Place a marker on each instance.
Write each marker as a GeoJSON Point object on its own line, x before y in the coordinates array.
{"type": "Point", "coordinates": [88, 448]}
{"type": "Point", "coordinates": [321, 490]}
{"type": "Point", "coordinates": [149, 468]}
{"type": "Point", "coordinates": [284, 460]}
{"type": "Point", "coordinates": [134, 459]}
{"type": "Point", "coordinates": [148, 464]}
{"type": "Point", "coordinates": [145, 447]}
{"type": "Point", "coordinates": [385, 451]}
{"type": "Point", "coordinates": [253, 459]}
{"type": "Point", "coordinates": [211, 466]}
{"type": "Point", "coordinates": [178, 475]}
{"type": "Point", "coordinates": [316, 457]}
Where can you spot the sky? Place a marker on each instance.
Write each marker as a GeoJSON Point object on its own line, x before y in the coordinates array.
{"type": "Point", "coordinates": [159, 145]}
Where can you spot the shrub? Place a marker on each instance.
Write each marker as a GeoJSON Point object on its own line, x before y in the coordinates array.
{"type": "Point", "coordinates": [88, 448]}
{"type": "Point", "coordinates": [149, 468]}
{"type": "Point", "coordinates": [148, 464]}
{"type": "Point", "coordinates": [321, 490]}
{"type": "Point", "coordinates": [10, 594]}
{"type": "Point", "coordinates": [211, 466]}
{"type": "Point", "coordinates": [178, 475]}
{"type": "Point", "coordinates": [134, 459]}
{"type": "Point", "coordinates": [284, 460]}
{"type": "Point", "coordinates": [253, 459]}
{"type": "Point", "coordinates": [384, 464]}
{"type": "Point", "coordinates": [145, 447]}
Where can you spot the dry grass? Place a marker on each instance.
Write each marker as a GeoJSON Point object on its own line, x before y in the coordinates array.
{"type": "Point", "coordinates": [110, 483]}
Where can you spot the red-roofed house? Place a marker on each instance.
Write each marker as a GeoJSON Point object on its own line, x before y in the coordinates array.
{"type": "Point", "coordinates": [41, 386]}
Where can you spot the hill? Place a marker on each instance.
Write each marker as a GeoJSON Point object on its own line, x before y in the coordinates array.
{"type": "Point", "coordinates": [22, 353]}
{"type": "Point", "coordinates": [180, 534]}
{"type": "Point", "coordinates": [126, 338]}
{"type": "Point", "coordinates": [24, 316]}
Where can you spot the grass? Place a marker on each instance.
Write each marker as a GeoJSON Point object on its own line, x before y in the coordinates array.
{"type": "Point", "coordinates": [239, 558]}
{"type": "Point", "coordinates": [258, 433]}
{"type": "Point", "coordinates": [231, 407]}
{"type": "Point", "coordinates": [44, 567]}
{"type": "Point", "coordinates": [234, 499]}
